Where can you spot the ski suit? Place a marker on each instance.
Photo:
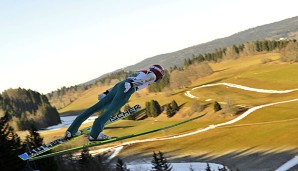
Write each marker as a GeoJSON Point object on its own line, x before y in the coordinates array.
{"type": "Point", "coordinates": [115, 98]}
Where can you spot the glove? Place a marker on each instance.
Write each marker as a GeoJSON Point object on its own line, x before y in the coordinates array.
{"type": "Point", "coordinates": [101, 96]}
{"type": "Point", "coordinates": [127, 86]}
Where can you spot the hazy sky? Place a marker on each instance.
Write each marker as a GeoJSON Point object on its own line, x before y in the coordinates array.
{"type": "Point", "coordinates": [47, 44]}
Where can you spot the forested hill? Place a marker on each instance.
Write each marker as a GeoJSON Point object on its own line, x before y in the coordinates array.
{"type": "Point", "coordinates": [285, 29]}
{"type": "Point", "coordinates": [26, 108]}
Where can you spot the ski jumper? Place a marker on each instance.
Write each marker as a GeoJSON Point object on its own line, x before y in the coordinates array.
{"type": "Point", "coordinates": [115, 98]}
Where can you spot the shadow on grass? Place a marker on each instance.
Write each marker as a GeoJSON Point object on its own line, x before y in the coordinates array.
{"type": "Point", "coordinates": [222, 69]}
{"type": "Point", "coordinates": [250, 161]}
{"type": "Point", "coordinates": [71, 113]}
{"type": "Point", "coordinates": [117, 127]}
{"type": "Point", "coordinates": [246, 160]}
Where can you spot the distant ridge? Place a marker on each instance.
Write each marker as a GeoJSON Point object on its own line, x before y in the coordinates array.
{"type": "Point", "coordinates": [287, 29]}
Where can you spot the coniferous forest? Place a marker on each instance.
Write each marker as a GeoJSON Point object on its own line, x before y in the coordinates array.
{"type": "Point", "coordinates": [27, 108]}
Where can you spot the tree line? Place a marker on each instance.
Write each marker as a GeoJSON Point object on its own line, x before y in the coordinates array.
{"type": "Point", "coordinates": [11, 146]}
{"type": "Point", "coordinates": [192, 68]}
{"type": "Point", "coordinates": [26, 107]}
{"type": "Point", "coordinates": [236, 51]}
{"type": "Point", "coordinates": [65, 95]}
{"type": "Point", "coordinates": [153, 109]}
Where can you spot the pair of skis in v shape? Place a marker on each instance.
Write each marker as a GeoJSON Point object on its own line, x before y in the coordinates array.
{"type": "Point", "coordinates": [51, 145]}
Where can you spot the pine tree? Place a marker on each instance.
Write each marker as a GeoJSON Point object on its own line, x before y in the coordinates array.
{"type": "Point", "coordinates": [157, 107]}
{"type": "Point", "coordinates": [156, 165]}
{"type": "Point", "coordinates": [85, 157]}
{"type": "Point", "coordinates": [160, 163]}
{"type": "Point", "coordinates": [174, 105]}
{"type": "Point", "coordinates": [191, 168]}
{"type": "Point", "coordinates": [217, 106]}
{"type": "Point", "coordinates": [169, 111]}
{"type": "Point", "coordinates": [34, 140]}
{"type": "Point", "coordinates": [148, 111]}
{"type": "Point", "coordinates": [153, 108]}
{"type": "Point", "coordinates": [172, 108]}
{"type": "Point", "coordinates": [10, 147]}
{"type": "Point", "coordinates": [208, 168]}
{"type": "Point", "coordinates": [121, 166]}
{"type": "Point", "coordinates": [85, 160]}
{"type": "Point", "coordinates": [164, 162]}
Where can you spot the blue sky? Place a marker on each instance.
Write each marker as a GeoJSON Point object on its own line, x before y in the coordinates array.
{"type": "Point", "coordinates": [45, 45]}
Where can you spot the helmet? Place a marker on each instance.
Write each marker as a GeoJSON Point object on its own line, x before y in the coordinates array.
{"type": "Point", "coordinates": [158, 71]}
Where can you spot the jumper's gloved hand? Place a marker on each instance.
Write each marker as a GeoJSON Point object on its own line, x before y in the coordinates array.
{"type": "Point", "coordinates": [101, 96]}
{"type": "Point", "coordinates": [127, 86]}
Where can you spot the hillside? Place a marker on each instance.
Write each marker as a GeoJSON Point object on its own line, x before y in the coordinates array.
{"type": "Point", "coordinates": [27, 108]}
{"type": "Point", "coordinates": [264, 138]}
{"type": "Point", "coordinates": [285, 29]}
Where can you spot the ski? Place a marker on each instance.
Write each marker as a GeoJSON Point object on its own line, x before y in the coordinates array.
{"type": "Point", "coordinates": [51, 145]}
{"type": "Point", "coordinates": [99, 143]}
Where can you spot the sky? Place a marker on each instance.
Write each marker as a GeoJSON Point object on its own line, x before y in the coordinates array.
{"type": "Point", "coordinates": [45, 45]}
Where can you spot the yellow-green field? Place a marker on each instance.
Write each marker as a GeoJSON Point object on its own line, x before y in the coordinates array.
{"type": "Point", "coordinates": [273, 128]}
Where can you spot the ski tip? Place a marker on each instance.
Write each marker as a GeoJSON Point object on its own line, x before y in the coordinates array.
{"type": "Point", "coordinates": [24, 156]}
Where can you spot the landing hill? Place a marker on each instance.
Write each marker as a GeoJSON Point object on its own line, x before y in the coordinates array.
{"type": "Point", "coordinates": [262, 140]}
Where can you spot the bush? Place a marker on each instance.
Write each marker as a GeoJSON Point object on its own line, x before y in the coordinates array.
{"type": "Point", "coordinates": [266, 60]}
{"type": "Point", "coordinates": [153, 108]}
{"type": "Point", "coordinates": [217, 106]}
{"type": "Point", "coordinates": [172, 108]}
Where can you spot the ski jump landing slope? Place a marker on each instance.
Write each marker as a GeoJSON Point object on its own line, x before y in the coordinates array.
{"type": "Point", "coordinates": [285, 166]}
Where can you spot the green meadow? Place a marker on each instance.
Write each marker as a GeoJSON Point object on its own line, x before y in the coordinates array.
{"type": "Point", "coordinates": [270, 129]}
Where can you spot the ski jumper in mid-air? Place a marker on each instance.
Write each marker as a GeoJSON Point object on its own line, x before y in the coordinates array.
{"type": "Point", "coordinates": [112, 100]}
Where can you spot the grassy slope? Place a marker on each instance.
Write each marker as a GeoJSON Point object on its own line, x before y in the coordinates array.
{"type": "Point", "coordinates": [86, 100]}
{"type": "Point", "coordinates": [267, 129]}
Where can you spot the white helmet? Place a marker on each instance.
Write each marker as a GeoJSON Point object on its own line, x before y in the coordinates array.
{"type": "Point", "coordinates": [158, 71]}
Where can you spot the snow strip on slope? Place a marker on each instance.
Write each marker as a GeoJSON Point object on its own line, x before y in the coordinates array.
{"type": "Point", "coordinates": [289, 164]}
{"type": "Point", "coordinates": [196, 166]}
{"type": "Point", "coordinates": [286, 166]}
{"type": "Point", "coordinates": [247, 88]}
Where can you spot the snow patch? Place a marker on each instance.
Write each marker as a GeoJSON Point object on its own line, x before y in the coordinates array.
{"type": "Point", "coordinates": [247, 88]}
{"type": "Point", "coordinates": [65, 122]}
{"type": "Point", "coordinates": [187, 93]}
{"type": "Point", "coordinates": [116, 152]}
{"type": "Point", "coordinates": [196, 166]}
{"type": "Point", "coordinates": [289, 164]}
{"type": "Point", "coordinates": [225, 123]}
